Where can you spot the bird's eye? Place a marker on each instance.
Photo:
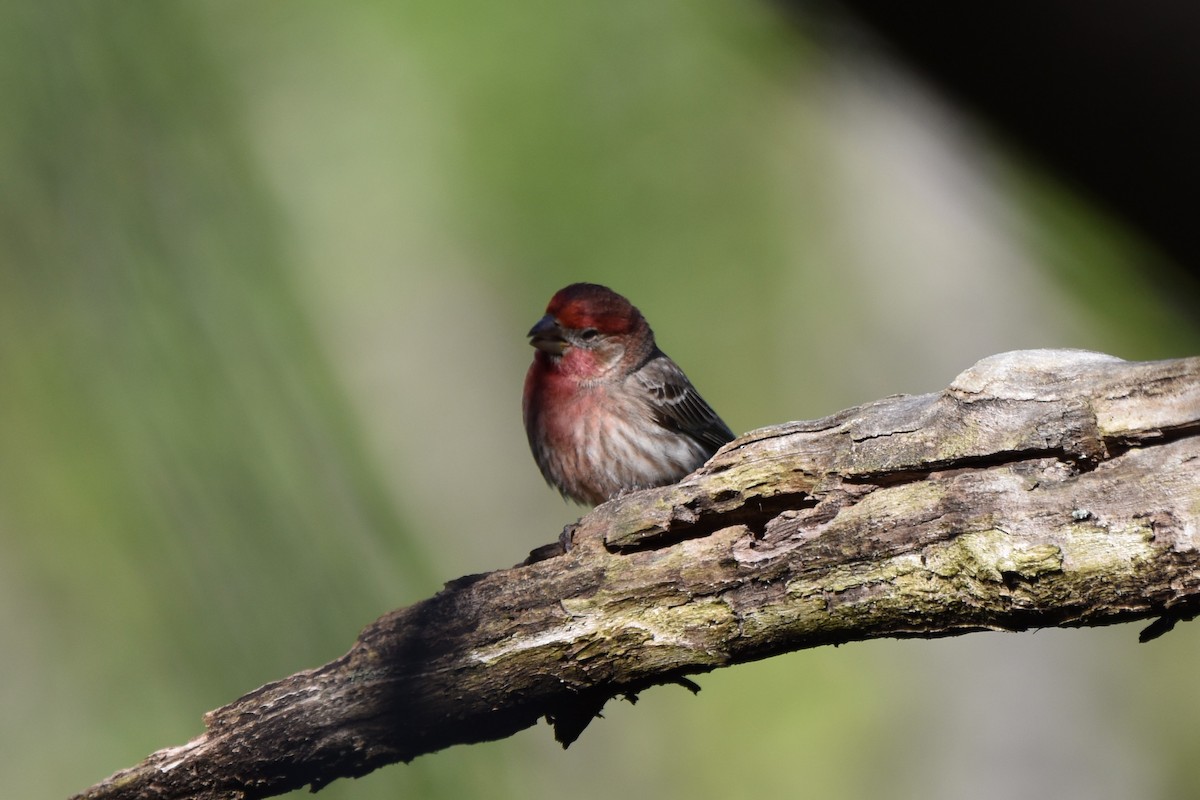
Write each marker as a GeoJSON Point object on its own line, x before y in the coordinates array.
{"type": "Point", "coordinates": [589, 334]}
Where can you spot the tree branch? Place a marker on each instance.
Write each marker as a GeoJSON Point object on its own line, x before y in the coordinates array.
{"type": "Point", "coordinates": [1042, 488]}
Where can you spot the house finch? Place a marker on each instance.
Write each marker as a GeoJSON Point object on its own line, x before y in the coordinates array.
{"type": "Point", "coordinates": [605, 410]}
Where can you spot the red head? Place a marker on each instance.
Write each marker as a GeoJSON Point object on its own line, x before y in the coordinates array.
{"type": "Point", "coordinates": [589, 331]}
{"type": "Point", "coordinates": [588, 305]}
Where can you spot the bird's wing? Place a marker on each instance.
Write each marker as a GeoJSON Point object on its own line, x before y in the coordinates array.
{"type": "Point", "coordinates": [678, 406]}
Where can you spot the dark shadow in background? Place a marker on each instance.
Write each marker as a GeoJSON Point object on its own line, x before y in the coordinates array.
{"type": "Point", "coordinates": [1103, 92]}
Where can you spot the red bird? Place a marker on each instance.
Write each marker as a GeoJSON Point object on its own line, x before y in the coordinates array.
{"type": "Point", "coordinates": [606, 411]}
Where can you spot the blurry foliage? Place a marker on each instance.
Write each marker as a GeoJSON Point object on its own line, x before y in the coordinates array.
{"type": "Point", "coordinates": [264, 274]}
{"type": "Point", "coordinates": [187, 507]}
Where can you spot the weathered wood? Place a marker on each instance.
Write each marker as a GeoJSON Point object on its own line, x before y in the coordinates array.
{"type": "Point", "coordinates": [1041, 488]}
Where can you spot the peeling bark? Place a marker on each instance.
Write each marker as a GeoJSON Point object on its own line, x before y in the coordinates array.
{"type": "Point", "coordinates": [1042, 488]}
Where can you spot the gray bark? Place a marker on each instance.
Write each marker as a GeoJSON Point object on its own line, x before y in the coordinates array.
{"type": "Point", "coordinates": [1042, 488]}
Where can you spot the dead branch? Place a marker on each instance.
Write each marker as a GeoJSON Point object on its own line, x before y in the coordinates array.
{"type": "Point", "coordinates": [1042, 488]}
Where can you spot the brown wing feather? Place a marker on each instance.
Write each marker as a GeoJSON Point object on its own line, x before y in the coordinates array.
{"type": "Point", "coordinates": [678, 406]}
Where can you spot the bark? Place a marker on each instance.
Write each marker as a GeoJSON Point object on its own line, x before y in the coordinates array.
{"type": "Point", "coordinates": [1042, 488]}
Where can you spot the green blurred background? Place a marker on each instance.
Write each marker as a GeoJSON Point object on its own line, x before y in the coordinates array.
{"type": "Point", "coordinates": [265, 273]}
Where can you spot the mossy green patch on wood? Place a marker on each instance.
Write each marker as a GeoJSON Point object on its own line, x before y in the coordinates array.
{"type": "Point", "coordinates": [1100, 549]}
{"type": "Point", "coordinates": [991, 554]}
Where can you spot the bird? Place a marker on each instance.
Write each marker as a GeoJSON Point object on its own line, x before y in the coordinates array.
{"type": "Point", "coordinates": [606, 411]}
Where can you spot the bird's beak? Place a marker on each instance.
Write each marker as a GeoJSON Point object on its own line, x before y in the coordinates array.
{"type": "Point", "coordinates": [547, 336]}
